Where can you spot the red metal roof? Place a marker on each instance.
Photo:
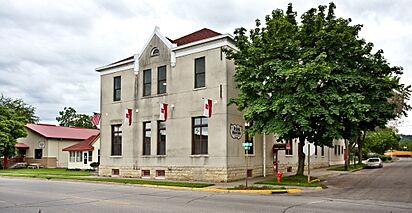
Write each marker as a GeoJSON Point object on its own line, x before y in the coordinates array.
{"type": "Point", "coordinates": [86, 145]}
{"type": "Point", "coordinates": [196, 36]}
{"type": "Point", "coordinates": [21, 146]}
{"type": "Point", "coordinates": [62, 132]}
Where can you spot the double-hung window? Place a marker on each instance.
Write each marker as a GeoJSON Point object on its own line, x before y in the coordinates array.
{"type": "Point", "coordinates": [161, 80]}
{"type": "Point", "coordinates": [147, 82]}
{"type": "Point", "coordinates": [147, 132]}
{"type": "Point", "coordinates": [200, 72]}
{"type": "Point", "coordinates": [199, 135]}
{"type": "Point", "coordinates": [290, 150]}
{"type": "Point", "coordinates": [72, 156]}
{"type": "Point", "coordinates": [90, 156]}
{"type": "Point", "coordinates": [161, 138]}
{"type": "Point", "coordinates": [117, 88]}
{"type": "Point", "coordinates": [116, 140]}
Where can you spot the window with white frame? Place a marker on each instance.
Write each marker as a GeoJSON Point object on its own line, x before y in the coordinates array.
{"type": "Point", "coordinates": [72, 156]}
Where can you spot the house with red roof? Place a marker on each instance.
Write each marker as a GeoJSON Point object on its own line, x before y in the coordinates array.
{"type": "Point", "coordinates": [82, 154]}
{"type": "Point", "coordinates": [44, 144]}
{"type": "Point", "coordinates": [166, 114]}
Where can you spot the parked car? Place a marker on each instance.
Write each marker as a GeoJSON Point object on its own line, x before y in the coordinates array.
{"type": "Point", "coordinates": [374, 162]}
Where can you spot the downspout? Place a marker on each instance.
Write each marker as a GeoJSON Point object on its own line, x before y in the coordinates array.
{"type": "Point", "coordinates": [264, 155]}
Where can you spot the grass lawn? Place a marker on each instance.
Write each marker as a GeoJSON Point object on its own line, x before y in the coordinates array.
{"type": "Point", "coordinates": [351, 167]}
{"type": "Point", "coordinates": [294, 180]}
{"type": "Point", "coordinates": [85, 176]}
{"type": "Point", "coordinates": [44, 171]}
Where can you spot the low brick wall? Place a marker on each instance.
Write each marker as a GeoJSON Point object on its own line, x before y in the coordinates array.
{"type": "Point", "coordinates": [47, 162]}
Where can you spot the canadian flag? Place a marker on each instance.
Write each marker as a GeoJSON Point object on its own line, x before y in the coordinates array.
{"type": "Point", "coordinates": [163, 112]}
{"type": "Point", "coordinates": [128, 116]}
{"type": "Point", "coordinates": [207, 108]}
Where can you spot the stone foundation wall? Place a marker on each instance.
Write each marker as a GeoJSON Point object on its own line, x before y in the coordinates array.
{"type": "Point", "coordinates": [207, 174]}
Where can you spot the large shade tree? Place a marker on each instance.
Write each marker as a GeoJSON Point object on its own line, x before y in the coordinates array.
{"type": "Point", "coordinates": [315, 80]}
{"type": "Point", "coordinates": [70, 117]}
{"type": "Point", "coordinates": [14, 114]}
{"type": "Point", "coordinates": [11, 128]}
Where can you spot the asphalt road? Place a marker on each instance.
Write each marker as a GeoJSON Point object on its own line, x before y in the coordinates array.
{"type": "Point", "coordinates": [393, 182]}
{"type": "Point", "coordinates": [35, 195]}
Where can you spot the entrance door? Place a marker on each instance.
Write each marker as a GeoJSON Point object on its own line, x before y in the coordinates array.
{"type": "Point", "coordinates": [85, 157]}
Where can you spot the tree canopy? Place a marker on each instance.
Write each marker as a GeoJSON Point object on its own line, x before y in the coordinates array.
{"type": "Point", "coordinates": [11, 128]}
{"type": "Point", "coordinates": [382, 140]}
{"type": "Point", "coordinates": [23, 110]}
{"type": "Point", "coordinates": [69, 117]}
{"type": "Point", "coordinates": [315, 80]}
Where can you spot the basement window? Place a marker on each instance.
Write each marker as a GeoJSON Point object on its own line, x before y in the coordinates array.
{"type": "Point", "coordinates": [115, 172]}
{"type": "Point", "coordinates": [160, 173]}
{"type": "Point", "coordinates": [146, 173]}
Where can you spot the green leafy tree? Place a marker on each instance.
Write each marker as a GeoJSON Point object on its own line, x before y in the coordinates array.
{"type": "Point", "coordinates": [382, 140]}
{"type": "Point", "coordinates": [405, 145]}
{"type": "Point", "coordinates": [69, 117]}
{"type": "Point", "coordinates": [11, 128]}
{"type": "Point", "coordinates": [315, 81]}
{"type": "Point", "coordinates": [22, 109]}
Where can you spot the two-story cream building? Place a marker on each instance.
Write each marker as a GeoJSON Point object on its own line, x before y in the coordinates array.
{"type": "Point", "coordinates": [187, 145]}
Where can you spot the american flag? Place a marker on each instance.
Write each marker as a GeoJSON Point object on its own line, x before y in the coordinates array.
{"type": "Point", "coordinates": [96, 118]}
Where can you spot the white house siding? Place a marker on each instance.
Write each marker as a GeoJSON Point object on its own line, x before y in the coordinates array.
{"type": "Point", "coordinates": [81, 164]}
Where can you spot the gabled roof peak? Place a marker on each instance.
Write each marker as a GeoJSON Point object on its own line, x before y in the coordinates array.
{"type": "Point", "coordinates": [196, 36]}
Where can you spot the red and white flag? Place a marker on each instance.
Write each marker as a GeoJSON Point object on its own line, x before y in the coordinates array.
{"type": "Point", "coordinates": [163, 112]}
{"type": "Point", "coordinates": [95, 119]}
{"type": "Point", "coordinates": [207, 108]}
{"type": "Point", "coordinates": [128, 116]}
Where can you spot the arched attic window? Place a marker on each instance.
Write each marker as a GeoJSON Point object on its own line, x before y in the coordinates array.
{"type": "Point", "coordinates": [155, 51]}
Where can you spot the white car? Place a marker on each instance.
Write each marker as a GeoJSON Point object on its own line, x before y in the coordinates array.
{"type": "Point", "coordinates": [374, 162]}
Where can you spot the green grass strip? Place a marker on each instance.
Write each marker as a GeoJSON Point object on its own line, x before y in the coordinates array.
{"type": "Point", "coordinates": [350, 168]}
{"type": "Point", "coordinates": [295, 180]}
{"type": "Point", "coordinates": [112, 180]}
{"type": "Point", "coordinates": [47, 171]}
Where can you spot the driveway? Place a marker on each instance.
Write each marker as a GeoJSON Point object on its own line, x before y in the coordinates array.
{"type": "Point", "coordinates": [393, 182]}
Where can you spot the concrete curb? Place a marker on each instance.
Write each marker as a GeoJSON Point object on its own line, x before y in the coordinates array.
{"type": "Point", "coordinates": [274, 191]}
{"type": "Point", "coordinates": [219, 190]}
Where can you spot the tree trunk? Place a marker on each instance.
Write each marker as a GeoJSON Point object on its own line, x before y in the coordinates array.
{"type": "Point", "coordinates": [301, 156]}
{"type": "Point", "coordinates": [360, 147]}
{"type": "Point", "coordinates": [5, 162]}
{"type": "Point", "coordinates": [346, 155]}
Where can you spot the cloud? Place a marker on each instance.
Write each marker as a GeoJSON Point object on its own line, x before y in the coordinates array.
{"type": "Point", "coordinates": [49, 49]}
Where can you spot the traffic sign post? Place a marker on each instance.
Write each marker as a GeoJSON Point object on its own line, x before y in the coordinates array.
{"type": "Point", "coordinates": [246, 146]}
{"type": "Point", "coordinates": [309, 149]}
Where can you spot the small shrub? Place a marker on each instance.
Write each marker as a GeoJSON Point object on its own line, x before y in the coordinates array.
{"type": "Point", "coordinates": [389, 158]}
{"type": "Point", "coordinates": [384, 158]}
{"type": "Point", "coordinates": [94, 165]}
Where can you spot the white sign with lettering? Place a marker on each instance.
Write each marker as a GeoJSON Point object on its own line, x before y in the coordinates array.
{"type": "Point", "coordinates": [236, 131]}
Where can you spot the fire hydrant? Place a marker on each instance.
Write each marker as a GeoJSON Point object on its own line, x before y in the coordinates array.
{"type": "Point", "coordinates": [279, 176]}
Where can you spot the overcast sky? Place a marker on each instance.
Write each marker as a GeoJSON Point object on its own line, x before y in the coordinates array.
{"type": "Point", "coordinates": [49, 49]}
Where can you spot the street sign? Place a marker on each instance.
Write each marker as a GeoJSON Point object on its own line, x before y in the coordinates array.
{"type": "Point", "coordinates": [279, 146]}
{"type": "Point", "coordinates": [311, 149]}
{"type": "Point", "coordinates": [246, 144]}
{"type": "Point", "coordinates": [246, 147]}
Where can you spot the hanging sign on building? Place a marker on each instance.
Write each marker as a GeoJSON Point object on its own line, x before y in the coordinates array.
{"type": "Point", "coordinates": [42, 145]}
{"type": "Point", "coordinates": [236, 131]}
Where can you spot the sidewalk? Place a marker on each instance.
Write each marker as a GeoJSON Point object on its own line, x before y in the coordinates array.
{"type": "Point", "coordinates": [321, 173]}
